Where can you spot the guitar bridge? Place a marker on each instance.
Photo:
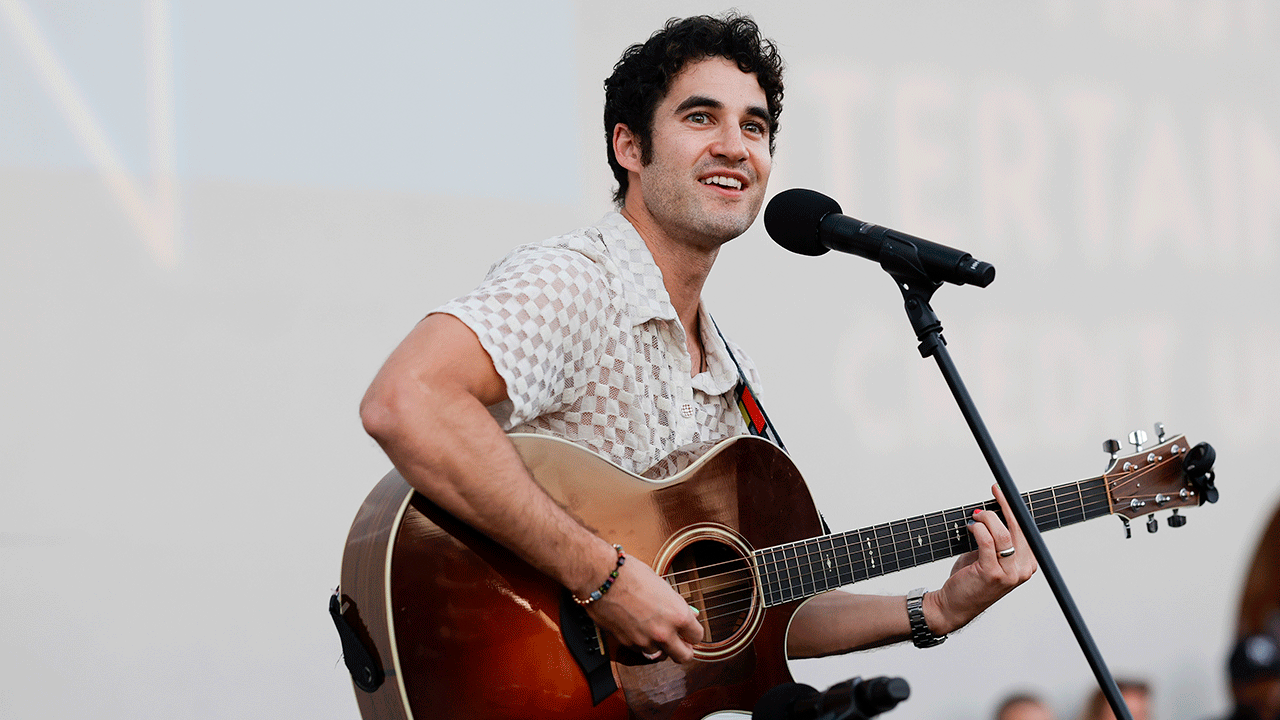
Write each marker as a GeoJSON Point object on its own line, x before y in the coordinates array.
{"type": "Point", "coordinates": [583, 639]}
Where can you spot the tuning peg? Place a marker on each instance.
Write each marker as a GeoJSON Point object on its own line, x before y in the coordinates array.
{"type": "Point", "coordinates": [1112, 447]}
{"type": "Point", "coordinates": [1159, 432]}
{"type": "Point", "coordinates": [1137, 438]}
{"type": "Point", "coordinates": [1128, 531]}
{"type": "Point", "coordinates": [1152, 524]}
{"type": "Point", "coordinates": [1176, 520]}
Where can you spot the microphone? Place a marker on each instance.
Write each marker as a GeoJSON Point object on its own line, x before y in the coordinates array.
{"type": "Point", "coordinates": [854, 699]}
{"type": "Point", "coordinates": [810, 223]}
{"type": "Point", "coordinates": [779, 703]}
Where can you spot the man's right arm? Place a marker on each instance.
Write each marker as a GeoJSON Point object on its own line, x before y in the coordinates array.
{"type": "Point", "coordinates": [427, 408]}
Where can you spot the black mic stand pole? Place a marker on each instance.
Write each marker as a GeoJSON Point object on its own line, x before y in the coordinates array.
{"type": "Point", "coordinates": [899, 259]}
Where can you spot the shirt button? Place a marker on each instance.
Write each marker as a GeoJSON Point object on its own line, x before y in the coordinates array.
{"type": "Point", "coordinates": [686, 410]}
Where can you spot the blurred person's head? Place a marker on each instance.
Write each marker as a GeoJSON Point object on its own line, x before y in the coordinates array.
{"type": "Point", "coordinates": [1136, 694]}
{"type": "Point", "coordinates": [1024, 706]}
{"type": "Point", "coordinates": [1254, 665]}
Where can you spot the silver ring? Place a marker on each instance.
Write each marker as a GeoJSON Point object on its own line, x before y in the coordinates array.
{"type": "Point", "coordinates": [653, 655]}
{"type": "Point", "coordinates": [1008, 553]}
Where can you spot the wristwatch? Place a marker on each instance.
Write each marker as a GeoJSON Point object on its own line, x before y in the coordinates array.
{"type": "Point", "coordinates": [921, 635]}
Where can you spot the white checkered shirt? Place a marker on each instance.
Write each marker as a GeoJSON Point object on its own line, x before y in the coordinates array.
{"type": "Point", "coordinates": [583, 332]}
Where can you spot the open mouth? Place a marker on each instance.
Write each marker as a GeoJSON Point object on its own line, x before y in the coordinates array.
{"type": "Point", "coordinates": [723, 181]}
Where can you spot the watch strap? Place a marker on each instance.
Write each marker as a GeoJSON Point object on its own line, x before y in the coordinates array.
{"type": "Point", "coordinates": [921, 635]}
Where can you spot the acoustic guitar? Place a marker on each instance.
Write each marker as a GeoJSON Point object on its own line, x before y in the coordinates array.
{"type": "Point", "coordinates": [442, 622]}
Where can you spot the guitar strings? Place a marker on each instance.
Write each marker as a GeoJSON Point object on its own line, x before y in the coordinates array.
{"type": "Point", "coordinates": [934, 522]}
{"type": "Point", "coordinates": [732, 593]}
{"type": "Point", "coordinates": [1042, 509]}
{"type": "Point", "coordinates": [741, 589]}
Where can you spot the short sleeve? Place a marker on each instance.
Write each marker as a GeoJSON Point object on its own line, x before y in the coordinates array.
{"type": "Point", "coordinates": [542, 314]}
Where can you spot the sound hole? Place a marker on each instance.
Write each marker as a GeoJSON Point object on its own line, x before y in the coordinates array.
{"type": "Point", "coordinates": [717, 580]}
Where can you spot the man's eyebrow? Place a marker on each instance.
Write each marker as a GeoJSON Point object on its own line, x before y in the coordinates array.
{"type": "Point", "coordinates": [759, 112]}
{"type": "Point", "coordinates": [697, 101]}
{"type": "Point", "coordinates": [694, 101]}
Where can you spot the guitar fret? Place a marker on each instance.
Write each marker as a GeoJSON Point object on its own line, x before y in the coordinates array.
{"type": "Point", "coordinates": [935, 533]}
{"type": "Point", "coordinates": [804, 561]}
{"type": "Point", "coordinates": [898, 547]}
{"type": "Point", "coordinates": [847, 575]}
{"type": "Point", "coordinates": [858, 562]}
{"type": "Point", "coordinates": [830, 574]}
{"type": "Point", "coordinates": [918, 540]}
{"type": "Point", "coordinates": [885, 561]}
{"type": "Point", "coordinates": [809, 579]}
{"type": "Point", "coordinates": [958, 537]}
{"type": "Point", "coordinates": [1072, 514]}
{"type": "Point", "coordinates": [941, 535]}
{"type": "Point", "coordinates": [903, 556]}
{"type": "Point", "coordinates": [1084, 507]}
{"type": "Point", "coordinates": [1097, 498]}
{"type": "Point", "coordinates": [871, 552]}
{"type": "Point", "coordinates": [780, 574]}
{"type": "Point", "coordinates": [1044, 509]}
{"type": "Point", "coordinates": [767, 569]}
{"type": "Point", "coordinates": [825, 565]}
{"type": "Point", "coordinates": [795, 577]}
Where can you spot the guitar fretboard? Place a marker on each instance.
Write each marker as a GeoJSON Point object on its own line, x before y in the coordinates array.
{"type": "Point", "coordinates": [802, 569]}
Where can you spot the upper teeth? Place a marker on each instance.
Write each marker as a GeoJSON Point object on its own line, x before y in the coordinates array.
{"type": "Point", "coordinates": [724, 182]}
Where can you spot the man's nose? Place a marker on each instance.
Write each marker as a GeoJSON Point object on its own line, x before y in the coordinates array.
{"type": "Point", "coordinates": [730, 144]}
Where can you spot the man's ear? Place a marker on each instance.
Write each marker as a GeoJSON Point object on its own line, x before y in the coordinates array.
{"type": "Point", "coordinates": [626, 147]}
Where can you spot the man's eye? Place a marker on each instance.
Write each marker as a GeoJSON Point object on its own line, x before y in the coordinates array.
{"type": "Point", "coordinates": [755, 128]}
{"type": "Point", "coordinates": [699, 117]}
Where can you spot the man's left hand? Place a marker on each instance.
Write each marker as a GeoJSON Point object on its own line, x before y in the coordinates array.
{"type": "Point", "coordinates": [981, 577]}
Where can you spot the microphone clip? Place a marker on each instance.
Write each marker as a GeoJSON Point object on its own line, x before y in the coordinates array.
{"type": "Point", "coordinates": [917, 290]}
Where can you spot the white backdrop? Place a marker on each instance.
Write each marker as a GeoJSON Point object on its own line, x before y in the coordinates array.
{"type": "Point", "coordinates": [216, 219]}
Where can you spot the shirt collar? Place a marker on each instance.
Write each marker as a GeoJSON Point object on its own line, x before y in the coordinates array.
{"type": "Point", "coordinates": [722, 372]}
{"type": "Point", "coordinates": [643, 290]}
{"type": "Point", "coordinates": [647, 299]}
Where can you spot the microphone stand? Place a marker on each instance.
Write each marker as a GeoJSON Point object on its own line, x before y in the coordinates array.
{"type": "Point", "coordinates": [900, 260]}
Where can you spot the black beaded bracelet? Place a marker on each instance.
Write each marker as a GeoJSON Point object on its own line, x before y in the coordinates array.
{"type": "Point", "coordinates": [608, 583]}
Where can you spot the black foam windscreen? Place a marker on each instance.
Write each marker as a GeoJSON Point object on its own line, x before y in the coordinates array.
{"type": "Point", "coordinates": [793, 217]}
{"type": "Point", "coordinates": [779, 702]}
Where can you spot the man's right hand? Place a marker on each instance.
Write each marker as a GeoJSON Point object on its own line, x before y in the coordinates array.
{"type": "Point", "coordinates": [643, 612]}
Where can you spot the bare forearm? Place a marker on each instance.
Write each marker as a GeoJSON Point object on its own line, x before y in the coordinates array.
{"type": "Point", "coordinates": [839, 622]}
{"type": "Point", "coordinates": [447, 446]}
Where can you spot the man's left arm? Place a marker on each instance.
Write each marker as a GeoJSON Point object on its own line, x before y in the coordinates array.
{"type": "Point", "coordinates": [839, 622]}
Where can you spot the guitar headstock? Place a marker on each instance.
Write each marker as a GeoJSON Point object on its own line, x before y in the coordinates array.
{"type": "Point", "coordinates": [1171, 475]}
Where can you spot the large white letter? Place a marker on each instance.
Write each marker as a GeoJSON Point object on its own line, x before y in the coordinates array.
{"type": "Point", "coordinates": [1012, 170]}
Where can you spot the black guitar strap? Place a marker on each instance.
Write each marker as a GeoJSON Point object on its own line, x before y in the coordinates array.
{"type": "Point", "coordinates": [748, 404]}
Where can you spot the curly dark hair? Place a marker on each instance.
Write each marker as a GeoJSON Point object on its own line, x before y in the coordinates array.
{"type": "Point", "coordinates": [643, 76]}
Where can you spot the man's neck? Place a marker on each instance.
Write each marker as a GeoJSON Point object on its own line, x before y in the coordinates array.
{"type": "Point", "coordinates": [684, 265]}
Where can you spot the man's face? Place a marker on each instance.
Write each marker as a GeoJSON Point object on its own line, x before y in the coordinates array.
{"type": "Point", "coordinates": [709, 160]}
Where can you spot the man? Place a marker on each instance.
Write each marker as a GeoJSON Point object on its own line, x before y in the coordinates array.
{"type": "Point", "coordinates": [600, 336]}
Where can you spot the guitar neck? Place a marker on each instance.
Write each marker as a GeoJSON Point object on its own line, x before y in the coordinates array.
{"type": "Point", "coordinates": [802, 569]}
